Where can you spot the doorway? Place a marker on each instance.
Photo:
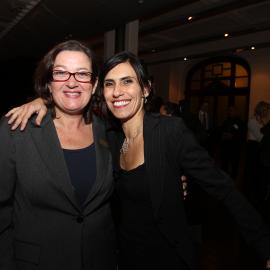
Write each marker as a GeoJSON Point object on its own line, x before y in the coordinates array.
{"type": "Point", "coordinates": [222, 82]}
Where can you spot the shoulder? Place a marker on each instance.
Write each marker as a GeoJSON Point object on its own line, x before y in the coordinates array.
{"type": "Point", "coordinates": [169, 127]}
{"type": "Point", "coordinates": [4, 126]}
{"type": "Point", "coordinates": [172, 124]}
{"type": "Point", "coordinates": [6, 134]}
{"type": "Point", "coordinates": [165, 121]}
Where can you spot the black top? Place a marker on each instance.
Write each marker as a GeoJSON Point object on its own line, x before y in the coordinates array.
{"type": "Point", "coordinates": [142, 246]}
{"type": "Point", "coordinates": [81, 165]}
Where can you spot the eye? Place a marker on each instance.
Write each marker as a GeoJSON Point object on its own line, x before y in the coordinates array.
{"type": "Point", "coordinates": [127, 81]}
{"type": "Point", "coordinates": [60, 73]}
{"type": "Point", "coordinates": [83, 75]}
{"type": "Point", "coordinates": [108, 84]}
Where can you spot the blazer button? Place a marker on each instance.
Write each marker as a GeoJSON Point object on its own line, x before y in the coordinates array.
{"type": "Point", "coordinates": [79, 219]}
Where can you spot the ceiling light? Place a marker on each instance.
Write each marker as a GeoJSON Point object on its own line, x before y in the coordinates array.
{"type": "Point", "coordinates": [153, 50]}
{"type": "Point", "coordinates": [185, 59]}
{"type": "Point", "coordinates": [140, 1]}
{"type": "Point", "coordinates": [226, 34]}
{"type": "Point", "coordinates": [190, 18]}
{"type": "Point", "coordinates": [252, 48]}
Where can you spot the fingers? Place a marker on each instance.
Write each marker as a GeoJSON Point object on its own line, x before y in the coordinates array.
{"type": "Point", "coordinates": [41, 113]}
{"type": "Point", "coordinates": [27, 113]}
{"type": "Point", "coordinates": [11, 112]}
{"type": "Point", "coordinates": [14, 114]}
{"type": "Point", "coordinates": [19, 116]}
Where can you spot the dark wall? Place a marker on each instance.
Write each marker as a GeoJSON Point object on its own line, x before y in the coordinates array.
{"type": "Point", "coordinates": [16, 78]}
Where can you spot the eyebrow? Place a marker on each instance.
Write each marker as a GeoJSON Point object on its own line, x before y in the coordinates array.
{"type": "Point", "coordinates": [65, 67]}
{"type": "Point", "coordinates": [120, 79]}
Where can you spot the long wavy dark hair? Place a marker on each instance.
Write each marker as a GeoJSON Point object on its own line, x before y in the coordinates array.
{"type": "Point", "coordinates": [43, 73]}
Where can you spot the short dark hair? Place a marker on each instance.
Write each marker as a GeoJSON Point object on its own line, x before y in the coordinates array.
{"type": "Point", "coordinates": [171, 108]}
{"type": "Point", "coordinates": [43, 73]}
{"type": "Point", "coordinates": [136, 64]}
{"type": "Point", "coordinates": [261, 109]}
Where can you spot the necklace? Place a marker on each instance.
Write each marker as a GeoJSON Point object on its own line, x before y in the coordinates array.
{"type": "Point", "coordinates": [128, 141]}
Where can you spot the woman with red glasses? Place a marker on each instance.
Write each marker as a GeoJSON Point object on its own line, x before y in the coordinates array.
{"type": "Point", "coordinates": [56, 178]}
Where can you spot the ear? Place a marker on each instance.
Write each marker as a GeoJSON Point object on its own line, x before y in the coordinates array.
{"type": "Point", "coordinates": [146, 92]}
{"type": "Point", "coordinates": [94, 87]}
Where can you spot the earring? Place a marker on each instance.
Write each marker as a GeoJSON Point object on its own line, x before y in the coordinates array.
{"type": "Point", "coordinates": [145, 100]}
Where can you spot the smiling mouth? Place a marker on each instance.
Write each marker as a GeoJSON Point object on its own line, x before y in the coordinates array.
{"type": "Point", "coordinates": [120, 103]}
{"type": "Point", "coordinates": [72, 93]}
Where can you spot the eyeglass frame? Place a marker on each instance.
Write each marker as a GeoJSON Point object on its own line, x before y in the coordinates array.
{"type": "Point", "coordinates": [74, 75]}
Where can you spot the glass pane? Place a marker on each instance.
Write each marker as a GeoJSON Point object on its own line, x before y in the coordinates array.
{"type": "Point", "coordinates": [226, 73]}
{"type": "Point", "coordinates": [241, 82]}
{"type": "Point", "coordinates": [217, 69]}
{"type": "Point", "coordinates": [225, 82]}
{"type": "Point", "coordinates": [227, 65]}
{"type": "Point", "coordinates": [240, 71]}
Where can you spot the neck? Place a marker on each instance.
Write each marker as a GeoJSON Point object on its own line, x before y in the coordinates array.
{"type": "Point", "coordinates": [68, 121]}
{"type": "Point", "coordinates": [134, 126]}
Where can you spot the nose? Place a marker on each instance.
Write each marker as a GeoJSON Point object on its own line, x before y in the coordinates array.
{"type": "Point", "coordinates": [117, 90]}
{"type": "Point", "coordinates": [72, 82]}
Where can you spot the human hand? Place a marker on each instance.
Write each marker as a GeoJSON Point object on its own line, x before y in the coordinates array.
{"type": "Point", "coordinates": [184, 185]}
{"type": "Point", "coordinates": [20, 115]}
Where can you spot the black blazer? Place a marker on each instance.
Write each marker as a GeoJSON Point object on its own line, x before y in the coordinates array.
{"type": "Point", "coordinates": [42, 225]}
{"type": "Point", "coordinates": [170, 151]}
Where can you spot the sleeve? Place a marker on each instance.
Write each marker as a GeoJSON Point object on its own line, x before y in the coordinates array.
{"type": "Point", "coordinates": [195, 162]}
{"type": "Point", "coordinates": [7, 185]}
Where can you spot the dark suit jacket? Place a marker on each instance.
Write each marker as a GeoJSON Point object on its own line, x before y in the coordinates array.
{"type": "Point", "coordinates": [170, 151]}
{"type": "Point", "coordinates": [42, 225]}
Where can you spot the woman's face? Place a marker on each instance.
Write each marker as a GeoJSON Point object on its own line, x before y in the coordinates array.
{"type": "Point", "coordinates": [123, 93]}
{"type": "Point", "coordinates": [71, 96]}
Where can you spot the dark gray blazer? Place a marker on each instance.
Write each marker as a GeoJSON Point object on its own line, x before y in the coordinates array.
{"type": "Point", "coordinates": [170, 151]}
{"type": "Point", "coordinates": [42, 225]}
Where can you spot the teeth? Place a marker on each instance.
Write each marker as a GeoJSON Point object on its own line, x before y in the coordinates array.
{"type": "Point", "coordinates": [120, 103]}
{"type": "Point", "coordinates": [72, 93]}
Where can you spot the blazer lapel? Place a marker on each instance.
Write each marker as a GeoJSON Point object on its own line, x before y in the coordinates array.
{"type": "Point", "coordinates": [103, 162]}
{"type": "Point", "coordinates": [49, 148]}
{"type": "Point", "coordinates": [153, 160]}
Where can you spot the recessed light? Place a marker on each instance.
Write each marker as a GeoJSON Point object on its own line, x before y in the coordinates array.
{"type": "Point", "coordinates": [190, 18]}
{"type": "Point", "coordinates": [252, 48]}
{"type": "Point", "coordinates": [153, 50]}
{"type": "Point", "coordinates": [140, 1]}
{"type": "Point", "coordinates": [185, 59]}
{"type": "Point", "coordinates": [226, 34]}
